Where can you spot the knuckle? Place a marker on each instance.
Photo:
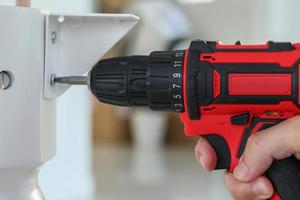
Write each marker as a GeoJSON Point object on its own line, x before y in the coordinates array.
{"type": "Point", "coordinates": [234, 191]}
{"type": "Point", "coordinates": [237, 193]}
{"type": "Point", "coordinates": [232, 188]}
{"type": "Point", "coordinates": [255, 145]}
{"type": "Point", "coordinates": [293, 134]}
{"type": "Point", "coordinates": [253, 141]}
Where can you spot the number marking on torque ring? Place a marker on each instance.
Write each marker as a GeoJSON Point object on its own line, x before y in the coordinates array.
{"type": "Point", "coordinates": [178, 63]}
{"type": "Point", "coordinates": [178, 105]}
{"type": "Point", "coordinates": [176, 86]}
{"type": "Point", "coordinates": [177, 96]}
{"type": "Point", "coordinates": [176, 75]}
{"type": "Point", "coordinates": [178, 54]}
{"type": "Point", "coordinates": [176, 83]}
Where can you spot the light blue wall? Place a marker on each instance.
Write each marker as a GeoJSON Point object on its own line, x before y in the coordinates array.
{"type": "Point", "coordinates": [284, 20]}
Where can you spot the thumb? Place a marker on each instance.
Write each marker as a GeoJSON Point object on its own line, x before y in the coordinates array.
{"type": "Point", "coordinates": [278, 142]}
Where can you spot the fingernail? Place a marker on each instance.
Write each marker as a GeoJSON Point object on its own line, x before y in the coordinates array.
{"type": "Point", "coordinates": [259, 189]}
{"type": "Point", "coordinates": [241, 171]}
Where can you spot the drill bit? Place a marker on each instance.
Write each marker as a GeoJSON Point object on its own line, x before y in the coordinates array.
{"type": "Point", "coordinates": [72, 80]}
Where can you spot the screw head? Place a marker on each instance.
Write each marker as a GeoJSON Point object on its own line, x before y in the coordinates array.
{"type": "Point", "coordinates": [54, 37]}
{"type": "Point", "coordinates": [5, 80]}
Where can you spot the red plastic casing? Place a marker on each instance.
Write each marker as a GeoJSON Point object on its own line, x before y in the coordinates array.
{"type": "Point", "coordinates": [216, 118]}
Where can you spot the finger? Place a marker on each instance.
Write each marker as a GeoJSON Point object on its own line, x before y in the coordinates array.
{"type": "Point", "coordinates": [259, 189]}
{"type": "Point", "coordinates": [205, 154]}
{"type": "Point", "coordinates": [278, 142]}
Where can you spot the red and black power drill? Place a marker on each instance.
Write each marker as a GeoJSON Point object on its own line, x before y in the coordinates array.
{"type": "Point", "coordinates": [224, 93]}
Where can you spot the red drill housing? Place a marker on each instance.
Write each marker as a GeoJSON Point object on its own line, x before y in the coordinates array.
{"type": "Point", "coordinates": [233, 91]}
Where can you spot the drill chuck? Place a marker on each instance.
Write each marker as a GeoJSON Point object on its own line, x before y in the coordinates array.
{"type": "Point", "coordinates": [155, 81]}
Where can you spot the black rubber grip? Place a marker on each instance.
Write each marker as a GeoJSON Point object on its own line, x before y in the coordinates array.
{"type": "Point", "coordinates": [284, 174]}
{"type": "Point", "coordinates": [222, 150]}
{"type": "Point", "coordinates": [285, 177]}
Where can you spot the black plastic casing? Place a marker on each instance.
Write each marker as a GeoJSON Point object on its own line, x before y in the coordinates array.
{"type": "Point", "coordinates": [155, 81]}
{"type": "Point", "coordinates": [120, 81]}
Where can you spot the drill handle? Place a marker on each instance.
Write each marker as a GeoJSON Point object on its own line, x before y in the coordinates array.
{"type": "Point", "coordinates": [284, 174]}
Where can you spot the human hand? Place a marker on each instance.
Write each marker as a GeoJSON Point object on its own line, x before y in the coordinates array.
{"type": "Point", "coordinates": [247, 181]}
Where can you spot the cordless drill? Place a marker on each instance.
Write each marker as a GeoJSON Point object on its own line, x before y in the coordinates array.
{"type": "Point", "coordinates": [225, 93]}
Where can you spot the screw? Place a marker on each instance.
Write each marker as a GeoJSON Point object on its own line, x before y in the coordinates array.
{"type": "Point", "coordinates": [5, 80]}
{"type": "Point", "coordinates": [52, 82]}
{"type": "Point", "coordinates": [61, 19]}
{"type": "Point", "coordinates": [54, 37]}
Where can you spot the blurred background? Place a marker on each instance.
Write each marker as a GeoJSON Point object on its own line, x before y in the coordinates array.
{"type": "Point", "coordinates": [110, 153]}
